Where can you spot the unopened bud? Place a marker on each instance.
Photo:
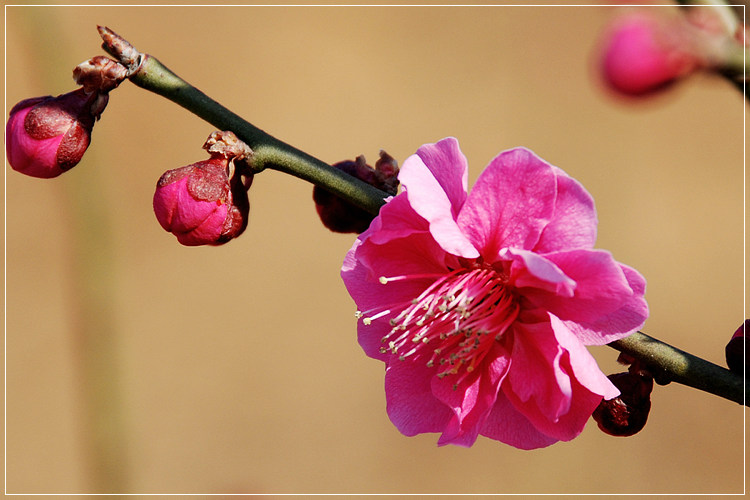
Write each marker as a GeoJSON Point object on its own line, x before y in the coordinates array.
{"type": "Point", "coordinates": [627, 413]}
{"type": "Point", "coordinates": [46, 136]}
{"type": "Point", "coordinates": [645, 52]}
{"type": "Point", "coordinates": [341, 216]}
{"type": "Point", "coordinates": [738, 350]}
{"type": "Point", "coordinates": [206, 203]}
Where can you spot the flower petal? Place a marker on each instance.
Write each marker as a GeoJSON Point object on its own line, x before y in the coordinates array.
{"type": "Point", "coordinates": [562, 410]}
{"type": "Point", "coordinates": [508, 425]}
{"type": "Point", "coordinates": [531, 271]}
{"type": "Point", "coordinates": [410, 403]}
{"type": "Point", "coordinates": [574, 222]}
{"type": "Point", "coordinates": [435, 183]}
{"type": "Point", "coordinates": [396, 220]}
{"type": "Point", "coordinates": [362, 289]}
{"type": "Point", "coordinates": [585, 369]}
{"type": "Point", "coordinates": [510, 204]}
{"type": "Point", "coordinates": [620, 323]}
{"type": "Point", "coordinates": [472, 399]}
{"type": "Point", "coordinates": [600, 286]}
{"type": "Point", "coordinates": [536, 377]}
{"type": "Point", "coordinates": [449, 168]}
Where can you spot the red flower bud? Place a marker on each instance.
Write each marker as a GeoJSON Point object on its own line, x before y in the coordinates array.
{"type": "Point", "coordinates": [206, 203]}
{"type": "Point", "coordinates": [341, 216]}
{"type": "Point", "coordinates": [45, 136]}
{"type": "Point", "coordinates": [645, 52]}
{"type": "Point", "coordinates": [626, 414]}
{"type": "Point", "coordinates": [738, 350]}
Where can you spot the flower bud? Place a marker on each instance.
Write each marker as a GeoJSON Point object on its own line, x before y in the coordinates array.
{"type": "Point", "coordinates": [627, 413]}
{"type": "Point", "coordinates": [738, 350]}
{"type": "Point", "coordinates": [645, 52]}
{"type": "Point", "coordinates": [206, 203]}
{"type": "Point", "coordinates": [45, 136]}
{"type": "Point", "coordinates": [341, 216]}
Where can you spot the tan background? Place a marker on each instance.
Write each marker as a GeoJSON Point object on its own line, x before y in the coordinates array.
{"type": "Point", "coordinates": [236, 369]}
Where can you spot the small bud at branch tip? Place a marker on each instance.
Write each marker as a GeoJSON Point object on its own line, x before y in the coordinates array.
{"type": "Point", "coordinates": [120, 48]}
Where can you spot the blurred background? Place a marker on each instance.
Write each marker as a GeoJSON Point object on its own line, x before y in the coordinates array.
{"type": "Point", "coordinates": [137, 365]}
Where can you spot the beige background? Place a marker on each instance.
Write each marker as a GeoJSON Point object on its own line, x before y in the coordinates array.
{"type": "Point", "coordinates": [236, 369]}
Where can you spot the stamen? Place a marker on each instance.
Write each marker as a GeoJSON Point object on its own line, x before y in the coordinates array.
{"type": "Point", "coordinates": [465, 311]}
{"type": "Point", "coordinates": [387, 279]}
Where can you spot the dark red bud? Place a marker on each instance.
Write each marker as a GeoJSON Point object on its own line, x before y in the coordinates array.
{"type": "Point", "coordinates": [738, 350]}
{"type": "Point", "coordinates": [626, 414]}
{"type": "Point", "coordinates": [341, 216]}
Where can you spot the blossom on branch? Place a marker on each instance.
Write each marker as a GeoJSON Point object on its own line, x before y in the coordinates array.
{"type": "Point", "coordinates": [481, 304]}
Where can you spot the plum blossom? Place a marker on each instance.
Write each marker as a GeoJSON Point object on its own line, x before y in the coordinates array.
{"type": "Point", "coordinates": [481, 304]}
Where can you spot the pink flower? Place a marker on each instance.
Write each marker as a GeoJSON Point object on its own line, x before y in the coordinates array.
{"type": "Point", "coordinates": [645, 52]}
{"type": "Point", "coordinates": [481, 304]}
{"type": "Point", "coordinates": [46, 136]}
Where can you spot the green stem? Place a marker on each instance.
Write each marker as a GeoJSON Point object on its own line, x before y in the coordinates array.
{"type": "Point", "coordinates": [668, 363]}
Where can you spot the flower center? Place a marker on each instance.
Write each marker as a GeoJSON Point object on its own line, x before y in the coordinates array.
{"type": "Point", "coordinates": [454, 322]}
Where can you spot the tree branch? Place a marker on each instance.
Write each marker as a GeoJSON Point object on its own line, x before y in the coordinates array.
{"type": "Point", "coordinates": [670, 364]}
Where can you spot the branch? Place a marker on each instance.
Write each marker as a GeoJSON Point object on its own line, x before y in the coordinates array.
{"type": "Point", "coordinates": [667, 363]}
{"type": "Point", "coordinates": [268, 152]}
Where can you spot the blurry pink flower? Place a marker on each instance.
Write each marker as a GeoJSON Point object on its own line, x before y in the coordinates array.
{"type": "Point", "coordinates": [45, 136]}
{"type": "Point", "coordinates": [200, 204]}
{"type": "Point", "coordinates": [645, 52]}
{"type": "Point", "coordinates": [481, 305]}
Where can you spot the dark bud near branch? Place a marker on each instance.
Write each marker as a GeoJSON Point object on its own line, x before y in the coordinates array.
{"type": "Point", "coordinates": [738, 350]}
{"type": "Point", "coordinates": [341, 216]}
{"type": "Point", "coordinates": [626, 414]}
